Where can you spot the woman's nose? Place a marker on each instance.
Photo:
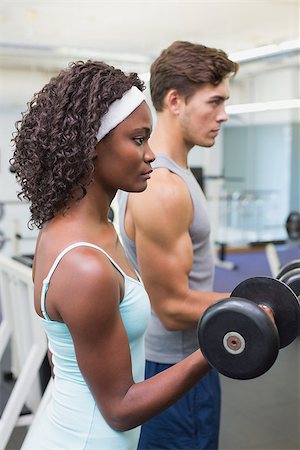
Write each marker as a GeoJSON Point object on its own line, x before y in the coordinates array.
{"type": "Point", "coordinates": [149, 155]}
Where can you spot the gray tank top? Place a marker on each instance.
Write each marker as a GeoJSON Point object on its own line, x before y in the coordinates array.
{"type": "Point", "coordinates": [165, 346]}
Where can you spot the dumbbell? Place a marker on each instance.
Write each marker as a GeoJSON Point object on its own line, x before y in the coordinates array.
{"type": "Point", "coordinates": [238, 338]}
{"type": "Point", "coordinates": [293, 226]}
{"type": "Point", "coordinates": [290, 275]}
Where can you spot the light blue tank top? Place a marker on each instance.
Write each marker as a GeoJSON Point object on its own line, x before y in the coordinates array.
{"type": "Point", "coordinates": [165, 346]}
{"type": "Point", "coordinates": [72, 420]}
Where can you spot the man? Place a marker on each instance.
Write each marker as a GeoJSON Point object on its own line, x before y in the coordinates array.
{"type": "Point", "coordinates": [165, 231]}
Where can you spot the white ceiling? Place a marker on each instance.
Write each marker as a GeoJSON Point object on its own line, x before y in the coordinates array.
{"type": "Point", "coordinates": [134, 32]}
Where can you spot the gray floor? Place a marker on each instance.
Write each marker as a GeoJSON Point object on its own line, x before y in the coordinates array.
{"type": "Point", "coordinates": [260, 414]}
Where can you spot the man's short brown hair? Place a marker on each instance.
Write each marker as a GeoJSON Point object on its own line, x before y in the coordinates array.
{"type": "Point", "coordinates": [185, 66]}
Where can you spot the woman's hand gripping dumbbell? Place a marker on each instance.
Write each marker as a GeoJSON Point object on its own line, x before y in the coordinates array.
{"type": "Point", "coordinates": [239, 338]}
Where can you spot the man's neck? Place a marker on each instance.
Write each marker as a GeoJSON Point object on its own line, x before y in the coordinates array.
{"type": "Point", "coordinates": [167, 138]}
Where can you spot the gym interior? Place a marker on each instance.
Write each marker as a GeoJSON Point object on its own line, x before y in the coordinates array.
{"type": "Point", "coordinates": [250, 179]}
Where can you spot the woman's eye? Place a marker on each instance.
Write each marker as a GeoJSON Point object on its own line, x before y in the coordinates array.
{"type": "Point", "coordinates": [139, 140]}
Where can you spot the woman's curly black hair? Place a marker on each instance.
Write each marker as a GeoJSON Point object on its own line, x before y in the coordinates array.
{"type": "Point", "coordinates": [56, 138]}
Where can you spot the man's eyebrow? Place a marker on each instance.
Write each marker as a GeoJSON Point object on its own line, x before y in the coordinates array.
{"type": "Point", "coordinates": [219, 97]}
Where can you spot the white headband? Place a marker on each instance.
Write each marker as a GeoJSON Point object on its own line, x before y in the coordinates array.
{"type": "Point", "coordinates": [119, 110]}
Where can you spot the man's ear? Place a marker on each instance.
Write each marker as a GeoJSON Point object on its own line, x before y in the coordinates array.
{"type": "Point", "coordinates": [174, 101]}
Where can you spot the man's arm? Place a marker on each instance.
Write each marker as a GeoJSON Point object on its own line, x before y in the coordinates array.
{"type": "Point", "coordinates": [159, 220]}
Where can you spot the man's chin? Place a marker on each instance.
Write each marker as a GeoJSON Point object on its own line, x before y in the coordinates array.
{"type": "Point", "coordinates": [207, 144]}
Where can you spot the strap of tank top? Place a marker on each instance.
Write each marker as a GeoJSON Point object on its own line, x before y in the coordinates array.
{"type": "Point", "coordinates": [56, 262]}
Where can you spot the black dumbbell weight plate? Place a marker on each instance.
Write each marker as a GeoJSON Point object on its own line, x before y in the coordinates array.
{"type": "Point", "coordinates": [238, 338]}
{"type": "Point", "coordinates": [292, 279]}
{"type": "Point", "coordinates": [279, 298]}
{"type": "Point", "coordinates": [295, 264]}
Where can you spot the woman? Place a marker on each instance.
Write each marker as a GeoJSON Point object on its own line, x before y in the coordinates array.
{"type": "Point", "coordinates": [84, 136]}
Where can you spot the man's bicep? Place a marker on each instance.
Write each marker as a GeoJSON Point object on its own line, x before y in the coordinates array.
{"type": "Point", "coordinates": [164, 264]}
{"type": "Point", "coordinates": [162, 216]}
{"type": "Point", "coordinates": [163, 212]}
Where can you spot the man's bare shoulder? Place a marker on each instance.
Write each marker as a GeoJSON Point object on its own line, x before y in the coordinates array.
{"type": "Point", "coordinates": [165, 199]}
{"type": "Point", "coordinates": [163, 185]}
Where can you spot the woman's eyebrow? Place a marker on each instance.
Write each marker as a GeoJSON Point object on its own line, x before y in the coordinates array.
{"type": "Point", "coordinates": [146, 130]}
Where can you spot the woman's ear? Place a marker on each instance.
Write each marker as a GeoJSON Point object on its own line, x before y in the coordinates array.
{"type": "Point", "coordinates": [98, 148]}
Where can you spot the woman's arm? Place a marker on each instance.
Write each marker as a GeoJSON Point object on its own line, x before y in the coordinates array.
{"type": "Point", "coordinates": [91, 312]}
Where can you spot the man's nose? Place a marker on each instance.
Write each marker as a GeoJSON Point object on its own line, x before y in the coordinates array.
{"type": "Point", "coordinates": [223, 116]}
